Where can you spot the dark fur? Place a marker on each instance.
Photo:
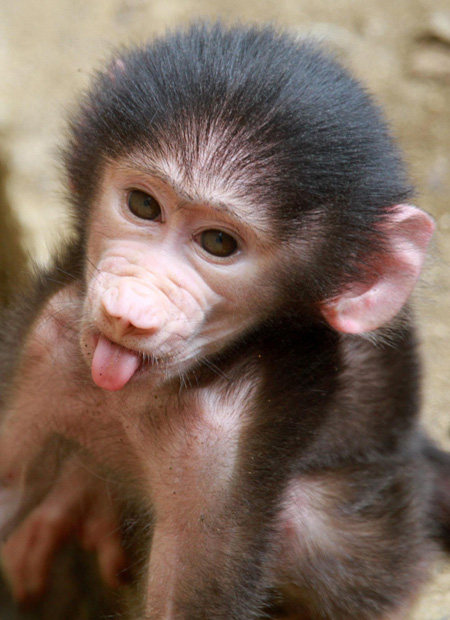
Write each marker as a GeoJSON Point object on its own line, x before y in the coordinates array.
{"type": "Point", "coordinates": [314, 147]}
{"type": "Point", "coordinates": [315, 152]}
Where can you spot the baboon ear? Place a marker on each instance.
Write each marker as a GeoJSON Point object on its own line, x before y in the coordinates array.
{"type": "Point", "coordinates": [364, 307]}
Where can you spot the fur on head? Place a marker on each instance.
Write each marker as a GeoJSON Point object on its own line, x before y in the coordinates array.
{"type": "Point", "coordinates": [256, 115]}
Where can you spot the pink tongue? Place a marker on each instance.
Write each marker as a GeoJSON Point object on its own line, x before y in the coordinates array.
{"type": "Point", "coordinates": [112, 365]}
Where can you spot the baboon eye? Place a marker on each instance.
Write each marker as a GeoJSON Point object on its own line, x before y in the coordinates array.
{"type": "Point", "coordinates": [143, 205]}
{"type": "Point", "coordinates": [218, 243]}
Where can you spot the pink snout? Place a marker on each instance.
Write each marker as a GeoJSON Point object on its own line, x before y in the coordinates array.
{"type": "Point", "coordinates": [128, 306]}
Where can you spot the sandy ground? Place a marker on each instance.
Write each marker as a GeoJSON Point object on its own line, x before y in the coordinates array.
{"type": "Point", "coordinates": [400, 48]}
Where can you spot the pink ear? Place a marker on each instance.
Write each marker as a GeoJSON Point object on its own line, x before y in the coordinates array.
{"type": "Point", "coordinates": [365, 307]}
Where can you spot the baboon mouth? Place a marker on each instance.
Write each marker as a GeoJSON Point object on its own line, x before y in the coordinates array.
{"type": "Point", "coordinates": [114, 365]}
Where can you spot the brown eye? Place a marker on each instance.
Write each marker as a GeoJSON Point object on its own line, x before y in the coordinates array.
{"type": "Point", "coordinates": [143, 205]}
{"type": "Point", "coordinates": [218, 243]}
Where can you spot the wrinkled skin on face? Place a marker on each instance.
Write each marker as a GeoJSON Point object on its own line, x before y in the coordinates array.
{"type": "Point", "coordinates": [161, 285]}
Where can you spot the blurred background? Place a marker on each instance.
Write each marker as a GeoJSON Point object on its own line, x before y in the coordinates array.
{"type": "Point", "coordinates": [399, 48]}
